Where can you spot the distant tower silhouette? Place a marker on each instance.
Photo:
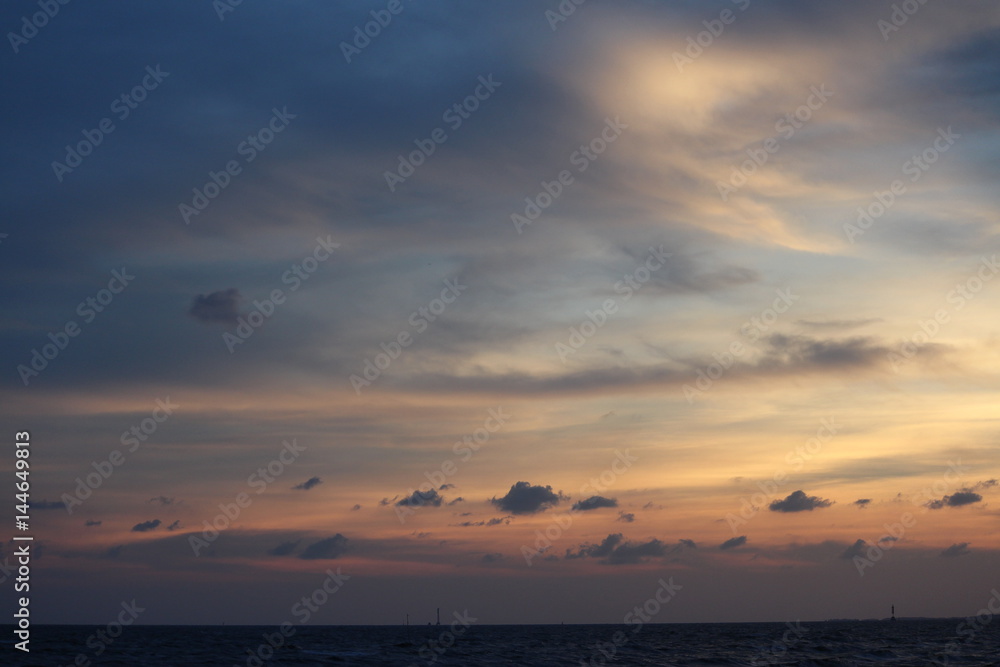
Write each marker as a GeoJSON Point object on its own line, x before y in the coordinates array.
{"type": "Point", "coordinates": [439, 616]}
{"type": "Point", "coordinates": [893, 618]}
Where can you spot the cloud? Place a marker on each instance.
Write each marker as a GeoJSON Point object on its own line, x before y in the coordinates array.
{"type": "Point", "coordinates": [222, 307]}
{"type": "Point", "coordinates": [356, 507]}
{"type": "Point", "coordinates": [421, 498]}
{"type": "Point", "coordinates": [733, 542]}
{"type": "Point", "coordinates": [957, 499]}
{"type": "Point", "coordinates": [48, 505]}
{"type": "Point", "coordinates": [626, 517]}
{"type": "Point", "coordinates": [856, 549]}
{"type": "Point", "coordinates": [806, 352]}
{"type": "Point", "coordinates": [862, 503]}
{"type": "Point", "coordinates": [495, 521]}
{"type": "Point", "coordinates": [161, 500]}
{"type": "Point", "coordinates": [90, 522]}
{"type": "Point", "coordinates": [445, 487]}
{"type": "Point", "coordinates": [284, 549]}
{"type": "Point", "coordinates": [492, 557]}
{"type": "Point", "coordinates": [616, 550]}
{"type": "Point", "coordinates": [175, 525]}
{"type": "Point", "coordinates": [308, 484]}
{"type": "Point", "coordinates": [526, 499]}
{"type": "Point", "coordinates": [331, 547]}
{"type": "Point", "coordinates": [955, 550]}
{"type": "Point", "coordinates": [595, 502]}
{"type": "Point", "coordinates": [988, 484]}
{"type": "Point", "coordinates": [690, 544]}
{"type": "Point", "coordinates": [146, 526]}
{"type": "Point", "coordinates": [798, 501]}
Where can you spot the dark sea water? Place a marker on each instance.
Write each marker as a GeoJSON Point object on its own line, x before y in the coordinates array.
{"type": "Point", "coordinates": [906, 642]}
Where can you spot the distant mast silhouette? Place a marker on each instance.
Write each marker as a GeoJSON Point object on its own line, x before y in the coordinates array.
{"type": "Point", "coordinates": [439, 615]}
{"type": "Point", "coordinates": [893, 617]}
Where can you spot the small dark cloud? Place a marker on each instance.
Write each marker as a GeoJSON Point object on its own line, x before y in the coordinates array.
{"type": "Point", "coordinates": [175, 525]}
{"type": "Point", "coordinates": [331, 547]}
{"type": "Point", "coordinates": [616, 550]}
{"type": "Point", "coordinates": [114, 552]}
{"type": "Point", "coordinates": [626, 517]}
{"type": "Point", "coordinates": [957, 499]}
{"type": "Point", "coordinates": [445, 487]}
{"type": "Point", "coordinates": [217, 307]}
{"type": "Point", "coordinates": [888, 538]}
{"type": "Point", "coordinates": [495, 521]}
{"type": "Point", "coordinates": [492, 557]}
{"type": "Point", "coordinates": [955, 550]}
{"type": "Point", "coordinates": [988, 484]}
{"type": "Point", "coordinates": [523, 498]}
{"type": "Point", "coordinates": [308, 484]}
{"type": "Point", "coordinates": [48, 505]}
{"type": "Point", "coordinates": [284, 549]}
{"type": "Point", "coordinates": [387, 501]}
{"type": "Point", "coordinates": [733, 542]}
{"type": "Point", "coordinates": [146, 526]}
{"type": "Point", "coordinates": [594, 502]}
{"type": "Point", "coordinates": [856, 549]}
{"type": "Point", "coordinates": [690, 544]}
{"type": "Point", "coordinates": [161, 500]}
{"type": "Point", "coordinates": [91, 522]}
{"type": "Point", "coordinates": [798, 501]}
{"type": "Point", "coordinates": [456, 500]}
{"type": "Point", "coordinates": [421, 499]}
{"type": "Point", "coordinates": [356, 508]}
{"type": "Point", "coordinates": [862, 502]}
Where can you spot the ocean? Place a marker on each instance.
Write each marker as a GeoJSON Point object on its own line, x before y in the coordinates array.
{"type": "Point", "coordinates": [914, 642]}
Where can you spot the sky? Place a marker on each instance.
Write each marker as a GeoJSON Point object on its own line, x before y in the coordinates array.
{"type": "Point", "coordinates": [516, 308]}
